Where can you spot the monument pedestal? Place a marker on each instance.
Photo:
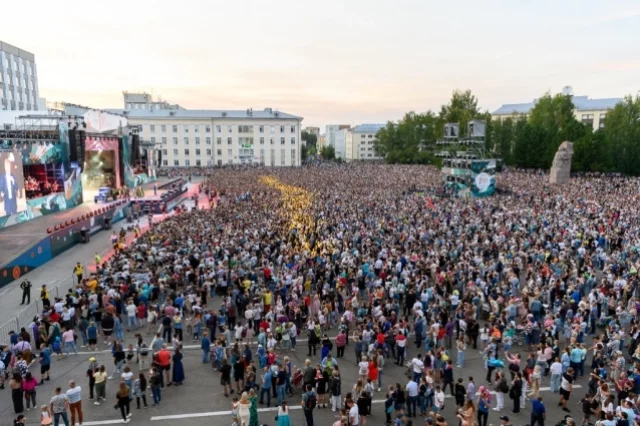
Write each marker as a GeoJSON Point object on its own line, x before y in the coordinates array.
{"type": "Point", "coordinates": [559, 175]}
{"type": "Point", "coordinates": [561, 167]}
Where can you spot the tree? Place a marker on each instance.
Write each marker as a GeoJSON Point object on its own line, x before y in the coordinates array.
{"type": "Point", "coordinates": [462, 108]}
{"type": "Point", "coordinates": [328, 152]}
{"type": "Point", "coordinates": [622, 136]}
{"type": "Point", "coordinates": [408, 140]}
{"type": "Point", "coordinates": [304, 152]}
{"type": "Point", "coordinates": [310, 139]}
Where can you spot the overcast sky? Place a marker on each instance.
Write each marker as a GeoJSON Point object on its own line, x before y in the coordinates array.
{"type": "Point", "coordinates": [348, 61]}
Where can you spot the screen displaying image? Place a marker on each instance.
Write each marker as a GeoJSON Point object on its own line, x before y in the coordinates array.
{"type": "Point", "coordinates": [12, 196]}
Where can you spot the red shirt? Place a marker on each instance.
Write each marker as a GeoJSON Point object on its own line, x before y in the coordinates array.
{"type": "Point", "coordinates": [54, 317]}
{"type": "Point", "coordinates": [164, 357]}
{"type": "Point", "coordinates": [400, 338]}
{"type": "Point", "coordinates": [380, 338]}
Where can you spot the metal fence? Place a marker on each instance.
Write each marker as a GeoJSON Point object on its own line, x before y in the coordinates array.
{"type": "Point", "coordinates": [25, 317]}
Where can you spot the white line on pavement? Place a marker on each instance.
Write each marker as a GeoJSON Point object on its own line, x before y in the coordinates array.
{"type": "Point", "coordinates": [102, 422]}
{"type": "Point", "coordinates": [264, 410]}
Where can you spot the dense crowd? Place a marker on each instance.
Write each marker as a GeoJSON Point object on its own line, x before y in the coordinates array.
{"type": "Point", "coordinates": [369, 256]}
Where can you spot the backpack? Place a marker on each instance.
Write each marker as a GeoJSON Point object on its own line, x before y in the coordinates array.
{"type": "Point", "coordinates": [56, 344]}
{"type": "Point", "coordinates": [244, 332]}
{"type": "Point", "coordinates": [311, 401]}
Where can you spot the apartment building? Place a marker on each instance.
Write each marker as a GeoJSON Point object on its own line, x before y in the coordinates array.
{"type": "Point", "coordinates": [335, 136]}
{"type": "Point", "coordinates": [18, 80]}
{"type": "Point", "coordinates": [588, 111]}
{"type": "Point", "coordinates": [360, 141]}
{"type": "Point", "coordinates": [218, 137]}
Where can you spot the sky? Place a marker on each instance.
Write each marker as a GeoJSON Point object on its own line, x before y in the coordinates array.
{"type": "Point", "coordinates": [331, 62]}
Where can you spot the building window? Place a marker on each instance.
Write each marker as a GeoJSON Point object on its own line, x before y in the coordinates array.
{"type": "Point", "coordinates": [229, 129]}
{"type": "Point", "coordinates": [198, 163]}
{"type": "Point", "coordinates": [176, 162]}
{"type": "Point", "coordinates": [293, 157]}
{"type": "Point", "coordinates": [282, 140]}
{"type": "Point", "coordinates": [370, 136]}
{"type": "Point", "coordinates": [175, 152]}
{"type": "Point", "coordinates": [164, 152]}
{"type": "Point", "coordinates": [208, 152]}
{"type": "Point", "coordinates": [281, 129]}
{"type": "Point", "coordinates": [186, 128]}
{"type": "Point", "coordinates": [271, 141]}
{"type": "Point", "coordinates": [152, 128]}
{"type": "Point", "coordinates": [187, 162]}
{"type": "Point", "coordinates": [207, 129]}
{"type": "Point", "coordinates": [282, 155]}
{"type": "Point", "coordinates": [196, 129]}
{"type": "Point", "coordinates": [164, 140]}
{"type": "Point", "coordinates": [273, 157]}
{"type": "Point", "coordinates": [175, 140]}
{"type": "Point", "coordinates": [245, 129]}
{"type": "Point", "coordinates": [230, 153]}
{"type": "Point", "coordinates": [163, 128]}
{"type": "Point", "coordinates": [262, 156]}
{"type": "Point", "coordinates": [198, 141]}
{"type": "Point", "coordinates": [186, 140]}
{"type": "Point", "coordinates": [293, 140]}
{"type": "Point", "coordinates": [218, 141]}
{"type": "Point", "coordinates": [229, 141]}
{"type": "Point", "coordinates": [219, 152]}
{"type": "Point", "coordinates": [197, 152]}
{"type": "Point", "coordinates": [208, 140]}
{"type": "Point", "coordinates": [153, 140]}
{"type": "Point", "coordinates": [174, 128]}
{"type": "Point", "coordinates": [293, 129]}
{"type": "Point", "coordinates": [273, 130]}
{"type": "Point", "coordinates": [261, 140]}
{"type": "Point", "coordinates": [218, 128]}
{"type": "Point", "coordinates": [209, 163]}
{"type": "Point", "coordinates": [165, 162]}
{"type": "Point", "coordinates": [261, 129]}
{"type": "Point", "coordinates": [186, 151]}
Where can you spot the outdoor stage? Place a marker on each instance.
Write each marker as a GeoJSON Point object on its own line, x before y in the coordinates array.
{"type": "Point", "coordinates": [28, 245]}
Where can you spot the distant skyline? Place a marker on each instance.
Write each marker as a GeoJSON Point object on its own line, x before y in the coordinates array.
{"type": "Point", "coordinates": [332, 62]}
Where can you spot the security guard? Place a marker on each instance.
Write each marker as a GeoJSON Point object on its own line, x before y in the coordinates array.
{"type": "Point", "coordinates": [26, 291]}
{"type": "Point", "coordinates": [77, 270]}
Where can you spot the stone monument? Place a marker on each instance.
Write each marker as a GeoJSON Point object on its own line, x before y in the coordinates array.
{"type": "Point", "coordinates": [561, 167]}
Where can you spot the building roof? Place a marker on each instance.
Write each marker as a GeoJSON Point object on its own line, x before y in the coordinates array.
{"type": "Point", "coordinates": [582, 103]}
{"type": "Point", "coordinates": [367, 128]}
{"type": "Point", "coordinates": [6, 47]}
{"type": "Point", "coordinates": [267, 113]}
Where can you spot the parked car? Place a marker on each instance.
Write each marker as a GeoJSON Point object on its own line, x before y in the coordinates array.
{"type": "Point", "coordinates": [104, 195]}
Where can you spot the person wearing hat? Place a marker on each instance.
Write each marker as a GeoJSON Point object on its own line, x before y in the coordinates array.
{"type": "Point", "coordinates": [504, 421]}
{"type": "Point", "coordinates": [91, 370]}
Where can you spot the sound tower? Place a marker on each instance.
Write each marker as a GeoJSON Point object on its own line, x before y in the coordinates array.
{"type": "Point", "coordinates": [135, 150]}
{"type": "Point", "coordinates": [121, 161]}
{"type": "Point", "coordinates": [77, 139]}
{"type": "Point", "coordinates": [159, 163]}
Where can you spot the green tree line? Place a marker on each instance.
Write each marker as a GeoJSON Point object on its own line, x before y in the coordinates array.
{"type": "Point", "coordinates": [524, 141]}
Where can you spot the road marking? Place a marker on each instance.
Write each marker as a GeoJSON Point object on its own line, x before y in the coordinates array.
{"type": "Point", "coordinates": [272, 409]}
{"type": "Point", "coordinates": [103, 422]}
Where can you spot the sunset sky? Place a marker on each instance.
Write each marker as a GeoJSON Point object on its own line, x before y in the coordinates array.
{"type": "Point", "coordinates": [349, 61]}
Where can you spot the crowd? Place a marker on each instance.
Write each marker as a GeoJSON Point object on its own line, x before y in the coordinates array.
{"type": "Point", "coordinates": [368, 257]}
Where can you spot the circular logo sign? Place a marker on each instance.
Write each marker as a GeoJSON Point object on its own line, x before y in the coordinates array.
{"type": "Point", "coordinates": [482, 182]}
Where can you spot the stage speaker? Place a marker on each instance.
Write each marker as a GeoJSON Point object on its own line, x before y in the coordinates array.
{"type": "Point", "coordinates": [159, 163]}
{"type": "Point", "coordinates": [121, 161]}
{"type": "Point", "coordinates": [135, 150]}
{"type": "Point", "coordinates": [77, 139]}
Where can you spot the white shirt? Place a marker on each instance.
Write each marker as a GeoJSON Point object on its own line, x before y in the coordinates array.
{"type": "Point", "coordinates": [438, 399]}
{"type": "Point", "coordinates": [418, 365]}
{"type": "Point", "coordinates": [556, 368]}
{"type": "Point", "coordinates": [412, 388]}
{"type": "Point", "coordinates": [131, 310]}
{"type": "Point", "coordinates": [355, 415]}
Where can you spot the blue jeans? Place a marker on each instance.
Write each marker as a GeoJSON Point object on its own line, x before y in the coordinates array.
{"type": "Point", "coordinates": [281, 393]}
{"type": "Point", "coordinates": [264, 391]}
{"type": "Point", "coordinates": [205, 357]}
{"type": "Point", "coordinates": [411, 405]}
{"type": "Point", "coordinates": [70, 345]}
{"type": "Point", "coordinates": [460, 360]}
{"type": "Point", "coordinates": [131, 322]}
{"type": "Point", "coordinates": [156, 395]}
{"type": "Point", "coordinates": [555, 382]}
{"type": "Point", "coordinates": [56, 418]}
{"type": "Point", "coordinates": [416, 377]}
{"type": "Point", "coordinates": [379, 379]}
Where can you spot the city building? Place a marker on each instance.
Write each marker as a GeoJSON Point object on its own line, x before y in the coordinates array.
{"type": "Point", "coordinates": [335, 136]}
{"type": "Point", "coordinates": [588, 111]}
{"type": "Point", "coordinates": [215, 137]}
{"type": "Point", "coordinates": [18, 80]}
{"type": "Point", "coordinates": [359, 142]}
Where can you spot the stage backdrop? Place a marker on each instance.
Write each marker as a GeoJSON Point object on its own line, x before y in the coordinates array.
{"type": "Point", "coordinates": [98, 145]}
{"type": "Point", "coordinates": [42, 206]}
{"type": "Point", "coordinates": [42, 154]}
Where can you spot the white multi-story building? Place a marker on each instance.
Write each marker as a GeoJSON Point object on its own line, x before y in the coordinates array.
{"type": "Point", "coordinates": [217, 137]}
{"type": "Point", "coordinates": [359, 142]}
{"type": "Point", "coordinates": [18, 80]}
{"type": "Point", "coordinates": [335, 136]}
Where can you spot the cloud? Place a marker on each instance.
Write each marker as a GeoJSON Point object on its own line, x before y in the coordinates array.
{"type": "Point", "coordinates": [618, 66]}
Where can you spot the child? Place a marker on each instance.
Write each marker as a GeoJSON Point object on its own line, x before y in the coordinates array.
{"type": "Point", "coordinates": [484, 337]}
{"type": "Point", "coordinates": [234, 412]}
{"type": "Point", "coordinates": [45, 416]}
